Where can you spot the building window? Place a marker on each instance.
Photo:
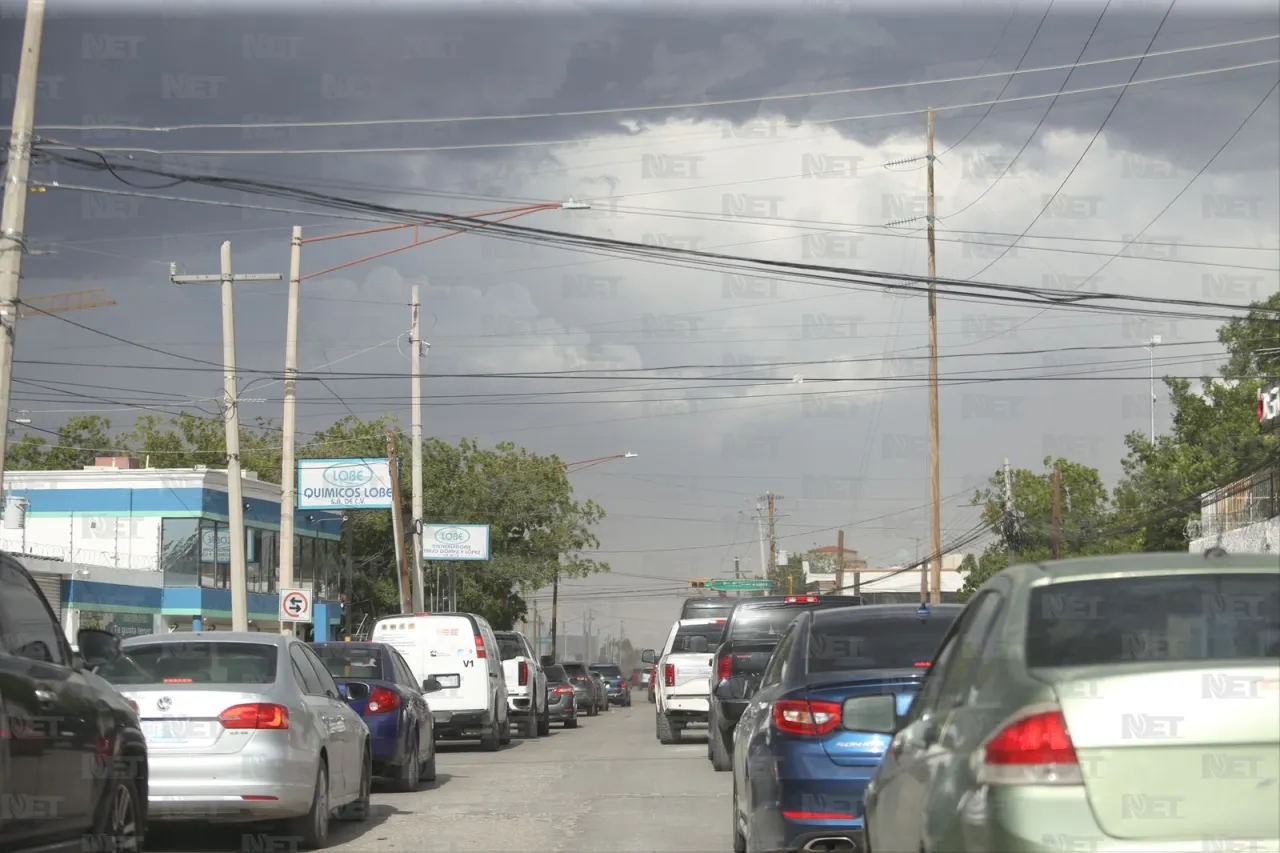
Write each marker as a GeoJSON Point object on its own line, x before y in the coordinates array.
{"type": "Point", "coordinates": [260, 560]}
{"type": "Point", "coordinates": [180, 551]}
{"type": "Point", "coordinates": [270, 558]}
{"type": "Point", "coordinates": [306, 565]}
{"type": "Point", "coordinates": [215, 554]}
{"type": "Point", "coordinates": [329, 567]}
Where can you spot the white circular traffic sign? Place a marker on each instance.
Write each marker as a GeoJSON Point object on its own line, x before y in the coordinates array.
{"type": "Point", "coordinates": [296, 604]}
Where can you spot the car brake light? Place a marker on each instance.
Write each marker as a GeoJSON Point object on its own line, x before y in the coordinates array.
{"type": "Point", "coordinates": [721, 621]}
{"type": "Point", "coordinates": [923, 664]}
{"type": "Point", "coordinates": [801, 599]}
{"type": "Point", "coordinates": [479, 646]}
{"type": "Point", "coordinates": [669, 674]}
{"type": "Point", "coordinates": [805, 717]}
{"type": "Point", "coordinates": [255, 715]}
{"type": "Point", "coordinates": [524, 673]}
{"type": "Point", "coordinates": [383, 701]}
{"type": "Point", "coordinates": [724, 668]}
{"type": "Point", "coordinates": [563, 691]}
{"type": "Point", "coordinates": [1034, 749]}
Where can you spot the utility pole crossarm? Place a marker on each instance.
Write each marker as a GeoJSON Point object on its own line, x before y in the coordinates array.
{"type": "Point", "coordinates": [59, 303]}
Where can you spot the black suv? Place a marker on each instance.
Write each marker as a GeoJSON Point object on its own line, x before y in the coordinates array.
{"type": "Point", "coordinates": [73, 761]}
{"type": "Point", "coordinates": [705, 607]}
{"type": "Point", "coordinates": [753, 631]}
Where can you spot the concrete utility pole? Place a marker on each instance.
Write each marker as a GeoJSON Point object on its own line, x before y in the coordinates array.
{"type": "Point", "coordinates": [415, 358]}
{"type": "Point", "coordinates": [935, 441]}
{"type": "Point", "coordinates": [13, 218]}
{"type": "Point", "coordinates": [231, 418]}
{"type": "Point", "coordinates": [737, 574]}
{"type": "Point", "coordinates": [1151, 361]}
{"type": "Point", "coordinates": [1057, 510]}
{"type": "Point", "coordinates": [773, 534]}
{"type": "Point", "coordinates": [288, 463]}
{"type": "Point", "coordinates": [1010, 518]}
{"type": "Point", "coordinates": [764, 557]}
{"type": "Point", "coordinates": [840, 563]}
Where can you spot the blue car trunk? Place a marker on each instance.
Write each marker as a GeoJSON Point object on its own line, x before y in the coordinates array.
{"type": "Point", "coordinates": [862, 749]}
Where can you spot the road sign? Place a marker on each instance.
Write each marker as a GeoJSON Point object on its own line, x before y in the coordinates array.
{"type": "Point", "coordinates": [455, 542]}
{"type": "Point", "coordinates": [295, 605]}
{"type": "Point", "coordinates": [344, 484]}
{"type": "Point", "coordinates": [743, 585]}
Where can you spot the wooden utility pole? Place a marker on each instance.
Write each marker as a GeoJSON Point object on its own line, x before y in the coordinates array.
{"type": "Point", "coordinates": [1011, 518]}
{"type": "Point", "coordinates": [935, 444]}
{"type": "Point", "coordinates": [773, 537]}
{"type": "Point", "coordinates": [1057, 511]}
{"type": "Point", "coordinates": [397, 523]}
{"type": "Point", "coordinates": [840, 563]}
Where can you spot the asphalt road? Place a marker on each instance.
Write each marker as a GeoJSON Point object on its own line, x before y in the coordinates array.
{"type": "Point", "coordinates": [606, 787]}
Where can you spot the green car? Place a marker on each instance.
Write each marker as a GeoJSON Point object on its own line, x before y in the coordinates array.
{"type": "Point", "coordinates": [1126, 703]}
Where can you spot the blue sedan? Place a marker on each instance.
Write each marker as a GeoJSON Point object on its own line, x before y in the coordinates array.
{"type": "Point", "coordinates": [801, 763]}
{"type": "Point", "coordinates": [379, 686]}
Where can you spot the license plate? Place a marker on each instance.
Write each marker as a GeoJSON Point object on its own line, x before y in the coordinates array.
{"type": "Point", "coordinates": [161, 731]}
{"type": "Point", "coordinates": [449, 681]}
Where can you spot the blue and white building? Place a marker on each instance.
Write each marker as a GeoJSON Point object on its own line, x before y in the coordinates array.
{"type": "Point", "coordinates": [137, 549]}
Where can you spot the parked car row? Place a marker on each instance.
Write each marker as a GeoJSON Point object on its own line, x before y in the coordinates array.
{"type": "Point", "coordinates": [101, 739]}
{"type": "Point", "coordinates": [1127, 703]}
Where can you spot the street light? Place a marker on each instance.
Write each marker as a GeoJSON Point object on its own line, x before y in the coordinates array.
{"type": "Point", "coordinates": [288, 472]}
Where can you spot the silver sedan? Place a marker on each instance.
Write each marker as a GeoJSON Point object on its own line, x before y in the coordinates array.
{"type": "Point", "coordinates": [245, 727]}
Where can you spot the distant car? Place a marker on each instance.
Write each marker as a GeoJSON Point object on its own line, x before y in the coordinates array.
{"type": "Point", "coordinates": [617, 690]}
{"type": "Point", "coordinates": [706, 607]}
{"type": "Point", "coordinates": [245, 728]}
{"type": "Point", "coordinates": [81, 776]}
{"type": "Point", "coordinates": [526, 683]}
{"type": "Point", "coordinates": [562, 706]}
{"type": "Point", "coordinates": [800, 720]}
{"type": "Point", "coordinates": [381, 688]}
{"type": "Point", "coordinates": [637, 678]}
{"type": "Point", "coordinates": [589, 690]}
{"type": "Point", "coordinates": [1117, 703]}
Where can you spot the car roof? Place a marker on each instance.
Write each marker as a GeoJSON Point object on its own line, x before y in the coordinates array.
{"type": "Point", "coordinates": [1136, 565]}
{"type": "Point", "coordinates": [885, 611]}
{"type": "Point", "coordinates": [701, 620]}
{"type": "Point", "coordinates": [362, 647]}
{"type": "Point", "coordinates": [262, 638]}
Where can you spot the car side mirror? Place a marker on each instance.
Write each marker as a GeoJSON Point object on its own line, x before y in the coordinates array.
{"type": "Point", "coordinates": [647, 656]}
{"type": "Point", "coordinates": [697, 644]}
{"type": "Point", "coordinates": [432, 685]}
{"type": "Point", "coordinates": [355, 691]}
{"type": "Point", "coordinates": [873, 714]}
{"type": "Point", "coordinates": [737, 688]}
{"type": "Point", "coordinates": [97, 647]}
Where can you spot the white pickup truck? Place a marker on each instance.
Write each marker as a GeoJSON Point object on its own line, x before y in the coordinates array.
{"type": "Point", "coordinates": [683, 675]}
{"type": "Point", "coordinates": [526, 684]}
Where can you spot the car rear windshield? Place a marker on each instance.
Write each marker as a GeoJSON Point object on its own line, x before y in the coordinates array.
{"type": "Point", "coordinates": [194, 663]}
{"type": "Point", "coordinates": [510, 647]}
{"type": "Point", "coordinates": [575, 669]}
{"type": "Point", "coordinates": [351, 661]}
{"type": "Point", "coordinates": [706, 609]}
{"type": "Point", "coordinates": [880, 643]}
{"type": "Point", "coordinates": [685, 634]}
{"type": "Point", "coordinates": [608, 670]}
{"type": "Point", "coordinates": [763, 623]}
{"type": "Point", "coordinates": [1178, 618]}
{"type": "Point", "coordinates": [556, 673]}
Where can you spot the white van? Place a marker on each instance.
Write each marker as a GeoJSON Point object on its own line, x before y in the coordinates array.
{"type": "Point", "coordinates": [461, 652]}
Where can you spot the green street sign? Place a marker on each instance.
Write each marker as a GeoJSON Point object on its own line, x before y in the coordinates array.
{"type": "Point", "coordinates": [739, 585]}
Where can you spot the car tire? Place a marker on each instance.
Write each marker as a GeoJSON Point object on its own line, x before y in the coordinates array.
{"type": "Point", "coordinates": [504, 736]}
{"type": "Point", "coordinates": [533, 725]}
{"type": "Point", "coordinates": [492, 739]}
{"type": "Point", "coordinates": [409, 776]}
{"type": "Point", "coordinates": [571, 724]}
{"type": "Point", "coordinates": [739, 840]}
{"type": "Point", "coordinates": [358, 809]}
{"type": "Point", "coordinates": [595, 709]}
{"type": "Point", "coordinates": [721, 758]}
{"type": "Point", "coordinates": [544, 723]}
{"type": "Point", "coordinates": [312, 828]}
{"type": "Point", "coordinates": [667, 733]}
{"type": "Point", "coordinates": [429, 768]}
{"type": "Point", "coordinates": [118, 818]}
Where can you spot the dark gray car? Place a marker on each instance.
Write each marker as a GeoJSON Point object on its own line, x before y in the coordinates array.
{"type": "Point", "coordinates": [562, 703]}
{"type": "Point", "coordinates": [589, 689]}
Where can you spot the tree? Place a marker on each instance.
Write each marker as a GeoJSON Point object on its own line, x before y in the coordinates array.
{"type": "Point", "coordinates": [1086, 520]}
{"type": "Point", "coordinates": [79, 441]}
{"type": "Point", "coordinates": [788, 579]}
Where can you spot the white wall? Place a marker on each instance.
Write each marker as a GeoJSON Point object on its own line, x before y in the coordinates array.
{"type": "Point", "coordinates": [120, 542]}
{"type": "Point", "coordinates": [1262, 537]}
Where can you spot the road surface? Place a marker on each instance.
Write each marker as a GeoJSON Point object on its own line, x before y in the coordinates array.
{"type": "Point", "coordinates": [606, 787]}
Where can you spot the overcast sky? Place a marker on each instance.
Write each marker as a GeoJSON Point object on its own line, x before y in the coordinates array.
{"type": "Point", "coordinates": [811, 179]}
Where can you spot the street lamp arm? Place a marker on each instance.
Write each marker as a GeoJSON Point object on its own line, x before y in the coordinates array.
{"type": "Point", "coordinates": [588, 463]}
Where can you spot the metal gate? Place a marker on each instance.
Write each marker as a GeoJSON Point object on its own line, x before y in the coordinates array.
{"type": "Point", "coordinates": [51, 586]}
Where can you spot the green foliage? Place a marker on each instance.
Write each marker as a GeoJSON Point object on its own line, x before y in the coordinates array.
{"type": "Point", "coordinates": [537, 528]}
{"type": "Point", "coordinates": [788, 579]}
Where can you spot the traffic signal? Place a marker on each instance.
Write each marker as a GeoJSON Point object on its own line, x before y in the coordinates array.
{"type": "Point", "coordinates": [699, 583]}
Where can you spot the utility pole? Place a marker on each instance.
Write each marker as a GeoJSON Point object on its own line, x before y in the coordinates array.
{"type": "Point", "coordinates": [13, 218]}
{"type": "Point", "coordinates": [1057, 511]}
{"type": "Point", "coordinates": [764, 559]}
{"type": "Point", "coordinates": [288, 463]}
{"type": "Point", "coordinates": [555, 611]}
{"type": "Point", "coordinates": [397, 524]}
{"type": "Point", "coordinates": [1151, 360]}
{"type": "Point", "coordinates": [840, 563]}
{"type": "Point", "coordinates": [231, 420]}
{"type": "Point", "coordinates": [773, 534]}
{"type": "Point", "coordinates": [935, 442]}
{"type": "Point", "coordinates": [415, 359]}
{"type": "Point", "coordinates": [348, 534]}
{"type": "Point", "coordinates": [737, 574]}
{"type": "Point", "coordinates": [1010, 519]}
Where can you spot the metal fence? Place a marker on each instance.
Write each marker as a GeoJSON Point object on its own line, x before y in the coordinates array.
{"type": "Point", "coordinates": [1251, 500]}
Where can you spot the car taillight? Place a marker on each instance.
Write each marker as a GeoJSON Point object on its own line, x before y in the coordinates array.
{"type": "Point", "coordinates": [669, 674]}
{"type": "Point", "coordinates": [922, 664]}
{"type": "Point", "coordinates": [255, 715]}
{"type": "Point", "coordinates": [479, 646]}
{"type": "Point", "coordinates": [806, 717]}
{"type": "Point", "coordinates": [801, 599]}
{"type": "Point", "coordinates": [1034, 749]}
{"type": "Point", "coordinates": [383, 701]}
{"type": "Point", "coordinates": [724, 668]}
{"type": "Point", "coordinates": [563, 691]}
{"type": "Point", "coordinates": [524, 673]}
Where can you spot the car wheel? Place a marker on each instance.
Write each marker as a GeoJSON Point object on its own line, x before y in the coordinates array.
{"type": "Point", "coordinates": [571, 724]}
{"type": "Point", "coordinates": [359, 808]}
{"type": "Point", "coordinates": [544, 723]}
{"type": "Point", "coordinates": [739, 840]}
{"type": "Point", "coordinates": [118, 819]}
{"type": "Point", "coordinates": [491, 740]}
{"type": "Point", "coordinates": [721, 758]}
{"type": "Point", "coordinates": [429, 769]}
{"type": "Point", "coordinates": [595, 709]}
{"type": "Point", "coordinates": [532, 725]}
{"type": "Point", "coordinates": [504, 736]}
{"type": "Point", "coordinates": [312, 828]}
{"type": "Point", "coordinates": [667, 733]}
{"type": "Point", "coordinates": [408, 779]}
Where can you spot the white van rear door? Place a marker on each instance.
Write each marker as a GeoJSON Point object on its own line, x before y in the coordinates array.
{"type": "Point", "coordinates": [450, 658]}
